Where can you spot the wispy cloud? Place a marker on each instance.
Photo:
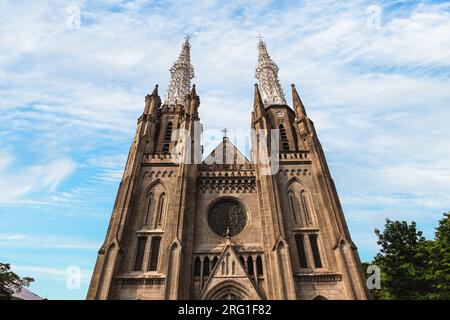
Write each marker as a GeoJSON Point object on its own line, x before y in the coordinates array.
{"type": "Point", "coordinates": [36, 178]}
{"type": "Point", "coordinates": [27, 241]}
{"type": "Point", "coordinates": [69, 98]}
{"type": "Point", "coordinates": [108, 168]}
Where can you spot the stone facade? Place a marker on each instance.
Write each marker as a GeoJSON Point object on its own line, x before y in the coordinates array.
{"type": "Point", "coordinates": [226, 228]}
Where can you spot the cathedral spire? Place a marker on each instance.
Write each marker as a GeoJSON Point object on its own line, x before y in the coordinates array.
{"type": "Point", "coordinates": [298, 104]}
{"type": "Point", "coordinates": [267, 76]}
{"type": "Point", "coordinates": [181, 72]}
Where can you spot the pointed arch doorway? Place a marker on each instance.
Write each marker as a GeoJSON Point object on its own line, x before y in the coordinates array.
{"type": "Point", "coordinates": [229, 296]}
{"type": "Point", "coordinates": [228, 290]}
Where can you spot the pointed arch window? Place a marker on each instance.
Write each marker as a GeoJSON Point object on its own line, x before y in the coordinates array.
{"type": "Point", "coordinates": [197, 266]}
{"type": "Point", "coordinates": [148, 209]}
{"type": "Point", "coordinates": [214, 262]}
{"type": "Point", "coordinates": [304, 201]}
{"type": "Point", "coordinates": [259, 266]}
{"type": "Point", "coordinates": [250, 265]}
{"type": "Point", "coordinates": [161, 206]}
{"type": "Point", "coordinates": [315, 250]}
{"type": "Point", "coordinates": [283, 138]}
{"type": "Point", "coordinates": [141, 241]}
{"type": "Point", "coordinates": [206, 266]}
{"type": "Point", "coordinates": [167, 137]}
{"type": "Point", "coordinates": [292, 205]}
{"type": "Point", "coordinates": [301, 250]}
{"type": "Point", "coordinates": [156, 241]}
{"type": "Point", "coordinates": [168, 132]}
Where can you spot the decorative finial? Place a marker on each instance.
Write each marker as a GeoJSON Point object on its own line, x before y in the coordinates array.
{"type": "Point", "coordinates": [300, 110]}
{"type": "Point", "coordinates": [260, 37]}
{"type": "Point", "coordinates": [155, 91]}
{"type": "Point", "coordinates": [225, 133]}
{"type": "Point", "coordinates": [193, 91]}
{"type": "Point", "coordinates": [227, 234]}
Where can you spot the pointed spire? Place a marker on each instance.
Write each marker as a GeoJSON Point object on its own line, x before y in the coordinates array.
{"type": "Point", "coordinates": [152, 102]}
{"type": "Point", "coordinates": [182, 73]}
{"type": "Point", "coordinates": [267, 76]}
{"type": "Point", "coordinates": [155, 91]}
{"type": "Point", "coordinates": [258, 104]}
{"type": "Point", "coordinates": [297, 102]}
{"type": "Point", "coordinates": [194, 102]}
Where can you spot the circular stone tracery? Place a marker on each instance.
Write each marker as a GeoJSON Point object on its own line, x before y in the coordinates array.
{"type": "Point", "coordinates": [227, 216]}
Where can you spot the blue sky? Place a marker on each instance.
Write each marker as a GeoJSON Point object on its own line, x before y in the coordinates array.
{"type": "Point", "coordinates": [69, 99]}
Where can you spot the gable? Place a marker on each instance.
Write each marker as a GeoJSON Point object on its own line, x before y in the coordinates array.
{"type": "Point", "coordinates": [229, 277]}
{"type": "Point", "coordinates": [226, 153]}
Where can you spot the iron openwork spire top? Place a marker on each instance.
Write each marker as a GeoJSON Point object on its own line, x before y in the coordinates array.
{"type": "Point", "coordinates": [267, 76]}
{"type": "Point", "coordinates": [181, 72]}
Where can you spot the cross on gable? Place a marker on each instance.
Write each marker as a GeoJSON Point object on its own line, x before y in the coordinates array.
{"type": "Point", "coordinates": [224, 132]}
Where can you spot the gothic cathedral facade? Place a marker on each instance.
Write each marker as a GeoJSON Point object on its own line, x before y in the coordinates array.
{"type": "Point", "coordinates": [226, 227]}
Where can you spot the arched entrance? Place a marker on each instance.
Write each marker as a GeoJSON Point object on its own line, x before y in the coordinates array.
{"type": "Point", "coordinates": [228, 290]}
{"type": "Point", "coordinates": [229, 296]}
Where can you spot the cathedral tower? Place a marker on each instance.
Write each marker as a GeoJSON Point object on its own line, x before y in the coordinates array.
{"type": "Point", "coordinates": [227, 227]}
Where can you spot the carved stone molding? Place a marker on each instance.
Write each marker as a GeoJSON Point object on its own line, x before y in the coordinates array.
{"type": "Point", "coordinates": [226, 174]}
{"type": "Point", "coordinates": [294, 172]}
{"type": "Point", "coordinates": [228, 184]}
{"type": "Point", "coordinates": [330, 277]}
{"type": "Point", "coordinates": [295, 156]}
{"type": "Point", "coordinates": [160, 174]}
{"type": "Point", "coordinates": [155, 159]}
{"type": "Point", "coordinates": [140, 281]}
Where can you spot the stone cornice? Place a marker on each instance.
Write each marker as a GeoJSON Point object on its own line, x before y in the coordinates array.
{"type": "Point", "coordinates": [296, 156]}
{"type": "Point", "coordinates": [318, 277]}
{"type": "Point", "coordinates": [227, 184]}
{"type": "Point", "coordinates": [155, 159]}
{"type": "Point", "coordinates": [140, 281]}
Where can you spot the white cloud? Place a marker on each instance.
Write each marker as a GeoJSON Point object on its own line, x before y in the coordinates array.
{"type": "Point", "coordinates": [108, 168]}
{"type": "Point", "coordinates": [379, 98]}
{"type": "Point", "coordinates": [26, 241]}
{"type": "Point", "coordinates": [35, 178]}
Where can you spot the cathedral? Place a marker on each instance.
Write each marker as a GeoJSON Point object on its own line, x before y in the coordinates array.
{"type": "Point", "coordinates": [228, 227]}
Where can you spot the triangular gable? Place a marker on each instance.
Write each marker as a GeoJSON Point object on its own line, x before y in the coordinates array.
{"type": "Point", "coordinates": [229, 275]}
{"type": "Point", "coordinates": [226, 153]}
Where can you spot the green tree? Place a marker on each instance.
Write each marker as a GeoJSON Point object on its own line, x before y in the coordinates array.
{"type": "Point", "coordinates": [11, 282]}
{"type": "Point", "coordinates": [411, 266]}
{"type": "Point", "coordinates": [439, 261]}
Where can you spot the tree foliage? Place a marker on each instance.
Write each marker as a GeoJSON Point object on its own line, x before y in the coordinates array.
{"type": "Point", "coordinates": [11, 282]}
{"type": "Point", "coordinates": [411, 266]}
